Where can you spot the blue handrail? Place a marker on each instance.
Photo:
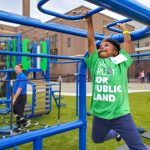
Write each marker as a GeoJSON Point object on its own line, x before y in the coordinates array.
{"type": "Point", "coordinates": [129, 8]}
{"type": "Point", "coordinates": [52, 13]}
{"type": "Point", "coordinates": [109, 26]}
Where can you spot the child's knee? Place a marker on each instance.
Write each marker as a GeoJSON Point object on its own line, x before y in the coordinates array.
{"type": "Point", "coordinates": [97, 140]}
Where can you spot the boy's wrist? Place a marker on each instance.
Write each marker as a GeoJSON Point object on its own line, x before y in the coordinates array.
{"type": "Point", "coordinates": [126, 32]}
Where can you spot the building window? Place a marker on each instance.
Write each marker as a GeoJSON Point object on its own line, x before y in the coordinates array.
{"type": "Point", "coordinates": [137, 44]}
{"type": "Point", "coordinates": [53, 40]}
{"type": "Point", "coordinates": [69, 42]}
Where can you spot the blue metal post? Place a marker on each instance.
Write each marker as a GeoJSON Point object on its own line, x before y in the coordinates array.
{"type": "Point", "coordinates": [48, 59]}
{"type": "Point", "coordinates": [37, 144]}
{"type": "Point", "coordinates": [19, 47]}
{"type": "Point", "coordinates": [8, 87]}
{"type": "Point", "coordinates": [82, 106]}
{"type": "Point", "coordinates": [77, 89]}
{"type": "Point", "coordinates": [34, 58]}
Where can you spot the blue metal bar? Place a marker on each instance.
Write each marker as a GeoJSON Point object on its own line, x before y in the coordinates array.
{"type": "Point", "coordinates": [19, 16]}
{"type": "Point", "coordinates": [8, 87]}
{"type": "Point", "coordinates": [37, 145]}
{"type": "Point", "coordinates": [135, 35]}
{"type": "Point", "coordinates": [139, 55]}
{"type": "Point", "coordinates": [48, 26]}
{"type": "Point", "coordinates": [33, 100]}
{"type": "Point", "coordinates": [129, 8]}
{"type": "Point", "coordinates": [109, 26]}
{"type": "Point", "coordinates": [82, 106]}
{"type": "Point", "coordinates": [52, 13]}
{"type": "Point", "coordinates": [48, 64]}
{"type": "Point", "coordinates": [144, 59]}
{"type": "Point", "coordinates": [19, 47]}
{"type": "Point", "coordinates": [33, 135]}
{"type": "Point", "coordinates": [40, 55]}
{"type": "Point", "coordinates": [77, 89]}
{"type": "Point", "coordinates": [8, 35]}
{"type": "Point", "coordinates": [34, 59]}
{"type": "Point", "coordinates": [7, 70]}
{"type": "Point", "coordinates": [67, 62]}
{"type": "Point", "coordinates": [3, 101]}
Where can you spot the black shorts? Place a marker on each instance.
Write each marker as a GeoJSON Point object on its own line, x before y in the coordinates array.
{"type": "Point", "coordinates": [19, 105]}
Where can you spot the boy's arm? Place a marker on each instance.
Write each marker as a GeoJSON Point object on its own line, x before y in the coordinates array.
{"type": "Point", "coordinates": [127, 44]}
{"type": "Point", "coordinates": [91, 39]}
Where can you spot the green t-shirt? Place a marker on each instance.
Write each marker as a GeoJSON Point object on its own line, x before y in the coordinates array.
{"type": "Point", "coordinates": [110, 85]}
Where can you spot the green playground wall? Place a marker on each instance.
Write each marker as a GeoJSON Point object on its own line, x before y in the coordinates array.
{"type": "Point", "coordinates": [25, 61]}
{"type": "Point", "coordinates": [43, 49]}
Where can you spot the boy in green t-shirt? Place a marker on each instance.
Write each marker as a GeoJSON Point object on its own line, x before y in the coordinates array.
{"type": "Point", "coordinates": [109, 105]}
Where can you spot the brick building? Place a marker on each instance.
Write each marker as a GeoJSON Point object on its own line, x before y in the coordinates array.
{"type": "Point", "coordinates": [65, 44]}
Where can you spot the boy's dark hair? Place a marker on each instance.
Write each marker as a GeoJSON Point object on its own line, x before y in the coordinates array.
{"type": "Point", "coordinates": [113, 42]}
{"type": "Point", "coordinates": [20, 65]}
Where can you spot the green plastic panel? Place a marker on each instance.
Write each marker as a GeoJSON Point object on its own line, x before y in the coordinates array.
{"type": "Point", "coordinates": [26, 61]}
{"type": "Point", "coordinates": [43, 49]}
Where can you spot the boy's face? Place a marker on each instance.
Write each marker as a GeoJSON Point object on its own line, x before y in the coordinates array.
{"type": "Point", "coordinates": [107, 49]}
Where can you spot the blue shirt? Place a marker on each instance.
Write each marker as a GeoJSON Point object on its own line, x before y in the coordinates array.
{"type": "Point", "coordinates": [21, 82]}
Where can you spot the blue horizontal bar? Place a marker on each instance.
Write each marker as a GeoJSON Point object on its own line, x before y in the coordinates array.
{"type": "Point", "coordinates": [42, 133]}
{"type": "Point", "coordinates": [39, 55]}
{"type": "Point", "coordinates": [109, 26]}
{"type": "Point", "coordinates": [19, 16]}
{"type": "Point", "coordinates": [139, 55]}
{"type": "Point", "coordinates": [52, 13]}
{"type": "Point", "coordinates": [47, 26]}
{"type": "Point", "coordinates": [144, 59]}
{"type": "Point", "coordinates": [57, 62]}
{"type": "Point", "coordinates": [2, 101]}
{"type": "Point", "coordinates": [8, 35]}
{"type": "Point", "coordinates": [8, 70]}
{"type": "Point", "coordinates": [135, 35]}
{"type": "Point", "coordinates": [129, 8]}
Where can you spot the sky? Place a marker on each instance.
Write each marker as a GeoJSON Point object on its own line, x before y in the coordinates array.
{"type": "Point", "coordinates": [60, 6]}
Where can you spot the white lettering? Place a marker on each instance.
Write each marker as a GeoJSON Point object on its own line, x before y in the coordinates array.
{"type": "Point", "coordinates": [105, 88]}
{"type": "Point", "coordinates": [102, 80]}
{"type": "Point", "coordinates": [99, 88]}
{"type": "Point", "coordinates": [104, 97]}
{"type": "Point", "coordinates": [119, 88]}
{"type": "Point", "coordinates": [108, 89]}
{"type": "Point", "coordinates": [112, 98]}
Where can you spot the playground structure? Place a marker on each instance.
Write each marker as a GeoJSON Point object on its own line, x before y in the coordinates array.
{"type": "Point", "coordinates": [38, 72]}
{"type": "Point", "coordinates": [142, 15]}
{"type": "Point", "coordinates": [16, 44]}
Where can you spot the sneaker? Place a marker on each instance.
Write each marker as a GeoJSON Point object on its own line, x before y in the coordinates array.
{"type": "Point", "coordinates": [27, 124]}
{"type": "Point", "coordinates": [17, 130]}
{"type": "Point", "coordinates": [118, 138]}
